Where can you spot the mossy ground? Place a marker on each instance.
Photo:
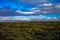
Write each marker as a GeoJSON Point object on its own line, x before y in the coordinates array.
{"type": "Point", "coordinates": [29, 30]}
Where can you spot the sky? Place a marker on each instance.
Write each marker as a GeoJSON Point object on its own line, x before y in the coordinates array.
{"type": "Point", "coordinates": [29, 10]}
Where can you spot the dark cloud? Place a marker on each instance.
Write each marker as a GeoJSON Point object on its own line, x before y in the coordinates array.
{"type": "Point", "coordinates": [7, 12]}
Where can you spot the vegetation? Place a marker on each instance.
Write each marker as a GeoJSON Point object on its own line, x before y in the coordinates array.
{"type": "Point", "coordinates": [29, 30]}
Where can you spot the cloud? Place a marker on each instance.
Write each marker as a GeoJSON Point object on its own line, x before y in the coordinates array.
{"type": "Point", "coordinates": [58, 6]}
{"type": "Point", "coordinates": [46, 4]}
{"type": "Point", "coordinates": [29, 12]}
{"type": "Point", "coordinates": [21, 12]}
{"type": "Point", "coordinates": [17, 9]}
{"type": "Point", "coordinates": [23, 19]}
{"type": "Point", "coordinates": [49, 17]}
{"type": "Point", "coordinates": [32, 2]}
{"type": "Point", "coordinates": [28, 18]}
{"type": "Point", "coordinates": [11, 18]}
{"type": "Point", "coordinates": [45, 8]}
{"type": "Point", "coordinates": [50, 8]}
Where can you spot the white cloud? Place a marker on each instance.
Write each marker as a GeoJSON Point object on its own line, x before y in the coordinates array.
{"type": "Point", "coordinates": [57, 6]}
{"type": "Point", "coordinates": [45, 4]}
{"type": "Point", "coordinates": [5, 18]}
{"type": "Point", "coordinates": [35, 8]}
{"type": "Point", "coordinates": [44, 12]}
{"type": "Point", "coordinates": [43, 0]}
{"type": "Point", "coordinates": [11, 18]}
{"type": "Point", "coordinates": [27, 18]}
{"type": "Point", "coordinates": [21, 12]}
{"type": "Point", "coordinates": [54, 18]}
{"type": "Point", "coordinates": [29, 12]}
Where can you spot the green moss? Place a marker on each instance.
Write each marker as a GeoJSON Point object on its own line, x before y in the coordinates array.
{"type": "Point", "coordinates": [30, 30]}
